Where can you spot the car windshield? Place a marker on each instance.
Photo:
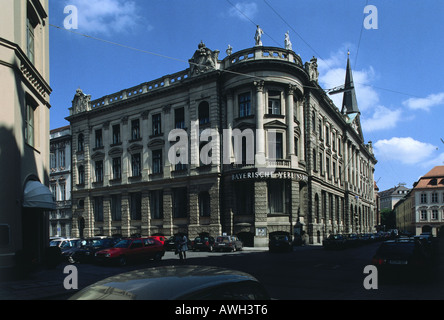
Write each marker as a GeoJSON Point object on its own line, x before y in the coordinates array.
{"type": "Point", "coordinates": [396, 248]}
{"type": "Point", "coordinates": [281, 238]}
{"type": "Point", "coordinates": [54, 243]}
{"type": "Point", "coordinates": [223, 239]}
{"type": "Point", "coordinates": [123, 244]}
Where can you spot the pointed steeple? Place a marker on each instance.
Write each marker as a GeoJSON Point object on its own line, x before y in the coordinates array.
{"type": "Point", "coordinates": [349, 102]}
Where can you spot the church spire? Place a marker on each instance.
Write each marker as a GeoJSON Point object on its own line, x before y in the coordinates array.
{"type": "Point", "coordinates": [349, 102]}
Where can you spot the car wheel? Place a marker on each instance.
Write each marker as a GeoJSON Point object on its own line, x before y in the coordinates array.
{"type": "Point", "coordinates": [122, 261]}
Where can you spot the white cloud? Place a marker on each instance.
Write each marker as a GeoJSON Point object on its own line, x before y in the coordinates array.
{"type": "Point", "coordinates": [425, 103]}
{"type": "Point", "coordinates": [404, 150]}
{"type": "Point", "coordinates": [106, 16]}
{"type": "Point", "coordinates": [243, 10]}
{"type": "Point", "coordinates": [382, 118]}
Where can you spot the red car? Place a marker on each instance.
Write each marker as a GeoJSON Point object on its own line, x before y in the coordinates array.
{"type": "Point", "coordinates": [132, 250]}
{"type": "Point", "coordinates": [159, 238]}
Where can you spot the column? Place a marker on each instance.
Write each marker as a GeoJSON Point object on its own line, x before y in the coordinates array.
{"type": "Point", "coordinates": [167, 212]}
{"type": "Point", "coordinates": [146, 214]}
{"type": "Point", "coordinates": [290, 125]}
{"type": "Point", "coordinates": [260, 133]}
{"type": "Point", "coordinates": [260, 212]}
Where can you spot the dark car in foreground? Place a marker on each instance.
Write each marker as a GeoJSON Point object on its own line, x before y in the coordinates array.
{"type": "Point", "coordinates": [130, 250]}
{"type": "Point", "coordinates": [227, 243]}
{"type": "Point", "coordinates": [203, 244]}
{"type": "Point", "coordinates": [280, 243]}
{"type": "Point", "coordinates": [402, 257]}
{"type": "Point", "coordinates": [176, 283]}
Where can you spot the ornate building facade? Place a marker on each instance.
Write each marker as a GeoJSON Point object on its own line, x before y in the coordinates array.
{"type": "Point", "coordinates": [248, 145]}
{"type": "Point", "coordinates": [24, 132]}
{"type": "Point", "coordinates": [60, 182]}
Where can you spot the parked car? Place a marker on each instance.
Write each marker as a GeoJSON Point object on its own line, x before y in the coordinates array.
{"type": "Point", "coordinates": [280, 243]}
{"type": "Point", "coordinates": [176, 283]}
{"type": "Point", "coordinates": [335, 241]}
{"type": "Point", "coordinates": [227, 243]}
{"type": "Point", "coordinates": [132, 249]}
{"type": "Point", "coordinates": [63, 243]}
{"type": "Point", "coordinates": [85, 254]}
{"type": "Point", "coordinates": [69, 249]}
{"type": "Point", "coordinates": [405, 256]}
{"type": "Point", "coordinates": [162, 239]}
{"type": "Point", "coordinates": [203, 243]}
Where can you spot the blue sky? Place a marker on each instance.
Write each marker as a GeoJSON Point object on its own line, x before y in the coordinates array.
{"type": "Point", "coordinates": [397, 67]}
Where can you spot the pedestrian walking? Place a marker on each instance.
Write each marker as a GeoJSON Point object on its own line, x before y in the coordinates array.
{"type": "Point", "coordinates": [183, 248]}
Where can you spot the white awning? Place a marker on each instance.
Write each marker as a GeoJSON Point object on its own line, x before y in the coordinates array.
{"type": "Point", "coordinates": [38, 196]}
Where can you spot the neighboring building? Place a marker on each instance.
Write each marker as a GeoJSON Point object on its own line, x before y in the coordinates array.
{"type": "Point", "coordinates": [24, 131]}
{"type": "Point", "coordinates": [391, 196]}
{"type": "Point", "coordinates": [377, 207]}
{"type": "Point", "coordinates": [307, 166]}
{"type": "Point", "coordinates": [428, 202]}
{"type": "Point", "coordinates": [60, 220]}
{"type": "Point", "coordinates": [405, 213]}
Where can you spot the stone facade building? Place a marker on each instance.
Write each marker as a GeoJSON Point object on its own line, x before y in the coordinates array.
{"type": "Point", "coordinates": [60, 182]}
{"type": "Point", "coordinates": [24, 132]}
{"type": "Point", "coordinates": [390, 197]}
{"type": "Point", "coordinates": [248, 145]}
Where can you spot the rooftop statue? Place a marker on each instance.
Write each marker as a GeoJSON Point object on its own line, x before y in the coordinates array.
{"type": "Point", "coordinates": [258, 36]}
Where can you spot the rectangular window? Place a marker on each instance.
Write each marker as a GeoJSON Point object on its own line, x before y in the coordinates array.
{"type": "Point", "coordinates": [98, 209]}
{"type": "Point", "coordinates": [434, 197]}
{"type": "Point", "coordinates": [99, 140]}
{"type": "Point", "coordinates": [179, 118]}
{"type": "Point", "coordinates": [180, 203]}
{"type": "Point", "coordinates": [99, 171]}
{"type": "Point", "coordinates": [157, 161]}
{"type": "Point", "coordinates": [81, 171]}
{"type": "Point", "coordinates": [30, 46]}
{"type": "Point", "coordinates": [116, 134]}
{"type": "Point", "coordinates": [62, 192]}
{"type": "Point", "coordinates": [423, 198]}
{"type": "Point", "coordinates": [136, 165]}
{"type": "Point", "coordinates": [244, 104]}
{"type": "Point", "coordinates": [244, 198]}
{"type": "Point", "coordinates": [274, 102]}
{"type": "Point", "coordinates": [29, 124]}
{"type": "Point", "coordinates": [62, 158]}
{"type": "Point", "coordinates": [136, 206]}
{"type": "Point", "coordinates": [434, 214]}
{"type": "Point", "coordinates": [275, 145]}
{"type": "Point", "coordinates": [423, 215]}
{"type": "Point", "coordinates": [135, 129]}
{"type": "Point", "coordinates": [117, 168]}
{"type": "Point", "coordinates": [276, 197]}
{"type": "Point", "coordinates": [156, 204]}
{"type": "Point", "coordinates": [116, 207]}
{"type": "Point", "coordinates": [157, 124]}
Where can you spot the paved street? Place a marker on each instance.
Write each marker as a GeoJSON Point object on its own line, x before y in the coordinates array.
{"type": "Point", "coordinates": [308, 272]}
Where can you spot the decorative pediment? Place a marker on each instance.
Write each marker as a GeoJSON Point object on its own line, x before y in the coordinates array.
{"type": "Point", "coordinates": [134, 148]}
{"type": "Point", "coordinates": [116, 151]}
{"type": "Point", "coordinates": [98, 155]}
{"type": "Point", "coordinates": [81, 102]}
{"type": "Point", "coordinates": [156, 143]}
{"type": "Point", "coordinates": [275, 124]}
{"type": "Point", "coordinates": [203, 60]}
